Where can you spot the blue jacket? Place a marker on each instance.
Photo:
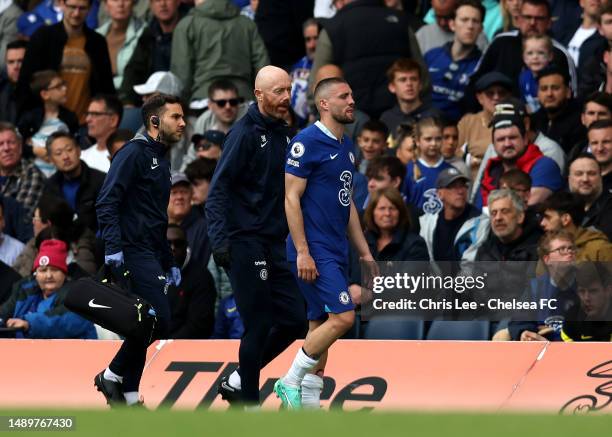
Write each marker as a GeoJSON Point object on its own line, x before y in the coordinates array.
{"type": "Point", "coordinates": [247, 192]}
{"type": "Point", "coordinates": [132, 205]}
{"type": "Point", "coordinates": [228, 323]}
{"type": "Point", "coordinates": [449, 78]}
{"type": "Point", "coordinates": [48, 318]}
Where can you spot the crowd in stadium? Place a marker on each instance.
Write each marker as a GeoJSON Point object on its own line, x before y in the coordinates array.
{"type": "Point", "coordinates": [482, 132]}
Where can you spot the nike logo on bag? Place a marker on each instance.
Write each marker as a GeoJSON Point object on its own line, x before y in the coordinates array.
{"type": "Point", "coordinates": [153, 167]}
{"type": "Point", "coordinates": [333, 156]}
{"type": "Point", "coordinates": [264, 144]}
{"type": "Point", "coordinates": [95, 305]}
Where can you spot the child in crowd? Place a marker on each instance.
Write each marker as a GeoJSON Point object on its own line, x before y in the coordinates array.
{"type": "Point", "coordinates": [372, 141]}
{"type": "Point", "coordinates": [450, 142]}
{"type": "Point", "coordinates": [537, 54]}
{"type": "Point", "coordinates": [406, 148]}
{"type": "Point", "coordinates": [421, 174]}
{"type": "Point", "coordinates": [50, 116]}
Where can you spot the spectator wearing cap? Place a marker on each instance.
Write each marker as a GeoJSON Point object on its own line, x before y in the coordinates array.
{"type": "Point", "coordinates": [36, 307]}
{"type": "Point", "coordinates": [200, 173]}
{"type": "Point", "coordinates": [559, 115]}
{"type": "Point", "coordinates": [585, 181]}
{"type": "Point", "coordinates": [514, 150]}
{"type": "Point", "coordinates": [78, 184]}
{"type": "Point", "coordinates": [566, 211]}
{"type": "Point", "coordinates": [214, 41]}
{"type": "Point", "coordinates": [164, 82]}
{"type": "Point", "coordinates": [458, 225]}
{"type": "Point", "coordinates": [547, 146]}
{"type": "Point", "coordinates": [19, 177]}
{"type": "Point", "coordinates": [505, 52]}
{"type": "Point", "coordinates": [103, 117]}
{"type": "Point", "coordinates": [208, 145]}
{"type": "Point", "coordinates": [451, 64]}
{"type": "Point", "coordinates": [190, 218]}
{"type": "Point", "coordinates": [474, 129]}
{"type": "Point", "coordinates": [153, 50]}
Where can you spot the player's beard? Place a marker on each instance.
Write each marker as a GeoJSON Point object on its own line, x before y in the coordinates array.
{"type": "Point", "coordinates": [343, 118]}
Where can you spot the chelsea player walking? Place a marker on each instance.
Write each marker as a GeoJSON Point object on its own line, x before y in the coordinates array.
{"type": "Point", "coordinates": [320, 211]}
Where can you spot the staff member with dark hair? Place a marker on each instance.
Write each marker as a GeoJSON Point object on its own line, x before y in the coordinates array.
{"type": "Point", "coordinates": [132, 216]}
{"type": "Point", "coordinates": [248, 228]}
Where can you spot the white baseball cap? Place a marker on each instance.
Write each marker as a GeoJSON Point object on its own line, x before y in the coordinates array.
{"type": "Point", "coordinates": [161, 82]}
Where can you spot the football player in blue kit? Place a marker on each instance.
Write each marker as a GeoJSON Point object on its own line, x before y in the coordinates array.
{"type": "Point", "coordinates": [320, 211]}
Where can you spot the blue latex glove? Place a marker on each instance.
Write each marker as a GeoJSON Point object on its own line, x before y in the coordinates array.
{"type": "Point", "coordinates": [174, 276]}
{"type": "Point", "coordinates": [114, 260]}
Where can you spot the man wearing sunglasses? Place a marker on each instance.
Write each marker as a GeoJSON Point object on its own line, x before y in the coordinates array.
{"type": "Point", "coordinates": [225, 107]}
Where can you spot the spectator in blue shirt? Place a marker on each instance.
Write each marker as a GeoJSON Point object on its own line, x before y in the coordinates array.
{"type": "Point", "coordinates": [451, 65]}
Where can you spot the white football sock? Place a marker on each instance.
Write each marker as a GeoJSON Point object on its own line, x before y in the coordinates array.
{"type": "Point", "coordinates": [301, 365]}
{"type": "Point", "coordinates": [235, 381]}
{"type": "Point", "coordinates": [131, 397]}
{"type": "Point", "coordinates": [312, 385]}
{"type": "Point", "coordinates": [112, 376]}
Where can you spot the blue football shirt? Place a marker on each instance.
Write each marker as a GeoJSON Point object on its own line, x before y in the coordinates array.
{"type": "Point", "coordinates": [328, 165]}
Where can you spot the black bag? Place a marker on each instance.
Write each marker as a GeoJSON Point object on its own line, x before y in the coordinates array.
{"type": "Point", "coordinates": [105, 300]}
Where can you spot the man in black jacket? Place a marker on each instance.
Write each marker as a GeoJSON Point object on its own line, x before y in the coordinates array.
{"type": "Point", "coordinates": [78, 53]}
{"type": "Point", "coordinates": [248, 228]}
{"type": "Point", "coordinates": [510, 239]}
{"type": "Point", "coordinates": [506, 48]}
{"type": "Point", "coordinates": [74, 180]}
{"type": "Point", "coordinates": [363, 39]}
{"type": "Point", "coordinates": [132, 215]}
{"type": "Point", "coordinates": [559, 115]}
{"type": "Point", "coordinates": [192, 302]}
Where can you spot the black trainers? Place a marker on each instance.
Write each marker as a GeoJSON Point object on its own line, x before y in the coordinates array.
{"type": "Point", "coordinates": [110, 389]}
{"type": "Point", "coordinates": [229, 393]}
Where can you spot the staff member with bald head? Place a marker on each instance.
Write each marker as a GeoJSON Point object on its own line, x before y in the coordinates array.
{"type": "Point", "coordinates": [248, 229]}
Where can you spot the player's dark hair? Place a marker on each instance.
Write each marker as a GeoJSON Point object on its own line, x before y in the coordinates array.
{"type": "Point", "coordinates": [325, 84]}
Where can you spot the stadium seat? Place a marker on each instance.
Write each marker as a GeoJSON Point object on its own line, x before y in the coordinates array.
{"type": "Point", "coordinates": [458, 330]}
{"type": "Point", "coordinates": [395, 329]}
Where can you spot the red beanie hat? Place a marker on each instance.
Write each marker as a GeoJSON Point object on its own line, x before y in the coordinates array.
{"type": "Point", "coordinates": [52, 253]}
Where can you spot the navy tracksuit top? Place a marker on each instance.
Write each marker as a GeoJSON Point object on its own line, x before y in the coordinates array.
{"type": "Point", "coordinates": [132, 206]}
{"type": "Point", "coordinates": [247, 192]}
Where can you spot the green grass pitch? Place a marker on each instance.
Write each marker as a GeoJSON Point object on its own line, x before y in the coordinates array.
{"type": "Point", "coordinates": [119, 423]}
